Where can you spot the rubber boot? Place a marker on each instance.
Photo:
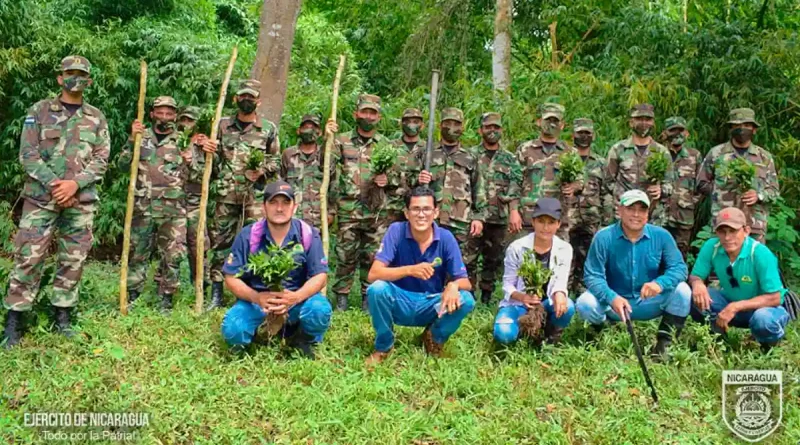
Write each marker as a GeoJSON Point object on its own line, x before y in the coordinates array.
{"type": "Point", "coordinates": [669, 329]}
{"type": "Point", "coordinates": [552, 334]}
{"type": "Point", "coordinates": [63, 322]}
{"type": "Point", "coordinates": [304, 343]}
{"type": "Point", "coordinates": [12, 334]}
{"type": "Point", "coordinates": [166, 303]}
{"type": "Point", "coordinates": [341, 302]}
{"type": "Point", "coordinates": [132, 297]}
{"type": "Point", "coordinates": [217, 292]}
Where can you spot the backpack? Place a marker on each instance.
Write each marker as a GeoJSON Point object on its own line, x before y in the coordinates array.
{"type": "Point", "coordinates": [260, 228]}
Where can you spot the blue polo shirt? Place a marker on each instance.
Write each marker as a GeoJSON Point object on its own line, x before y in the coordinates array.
{"type": "Point", "coordinates": [309, 263]}
{"type": "Point", "coordinates": [755, 269]}
{"type": "Point", "coordinates": [398, 248]}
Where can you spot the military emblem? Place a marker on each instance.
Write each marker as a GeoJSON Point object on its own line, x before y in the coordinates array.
{"type": "Point", "coordinates": [752, 403]}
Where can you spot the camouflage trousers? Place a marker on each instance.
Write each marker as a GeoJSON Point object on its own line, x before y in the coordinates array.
{"type": "Point", "coordinates": [491, 245]}
{"type": "Point", "coordinates": [356, 243]}
{"type": "Point", "coordinates": [40, 224]}
{"type": "Point", "coordinates": [469, 251]}
{"type": "Point", "coordinates": [159, 225]}
{"type": "Point", "coordinates": [228, 221]}
{"type": "Point", "coordinates": [581, 239]}
{"type": "Point", "coordinates": [683, 237]}
{"type": "Point", "coordinates": [192, 221]}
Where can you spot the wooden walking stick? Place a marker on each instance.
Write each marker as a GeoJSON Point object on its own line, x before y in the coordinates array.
{"type": "Point", "coordinates": [201, 222]}
{"type": "Point", "coordinates": [326, 169]}
{"type": "Point", "coordinates": [126, 232]}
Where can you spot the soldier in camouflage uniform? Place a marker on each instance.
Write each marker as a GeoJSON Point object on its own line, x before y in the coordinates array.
{"type": "Point", "coordinates": [627, 160]}
{"type": "Point", "coordinates": [681, 205]}
{"type": "Point", "coordinates": [595, 206]}
{"type": "Point", "coordinates": [456, 180]}
{"type": "Point", "coordinates": [159, 215]}
{"type": "Point", "coordinates": [64, 150]}
{"type": "Point", "coordinates": [363, 199]}
{"type": "Point", "coordinates": [301, 167]}
{"type": "Point", "coordinates": [724, 192]}
{"type": "Point", "coordinates": [247, 159]}
{"type": "Point", "coordinates": [501, 176]}
{"type": "Point", "coordinates": [539, 159]}
{"type": "Point", "coordinates": [412, 125]}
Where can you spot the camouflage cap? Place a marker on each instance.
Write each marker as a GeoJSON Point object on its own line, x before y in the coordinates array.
{"type": "Point", "coordinates": [743, 116]}
{"type": "Point", "coordinates": [643, 110]}
{"type": "Point", "coordinates": [583, 124]}
{"type": "Point", "coordinates": [675, 122]}
{"type": "Point", "coordinates": [76, 63]}
{"type": "Point", "coordinates": [549, 109]}
{"type": "Point", "coordinates": [411, 112]}
{"type": "Point", "coordinates": [491, 118]}
{"type": "Point", "coordinates": [191, 112]}
{"type": "Point", "coordinates": [310, 118]}
{"type": "Point", "coordinates": [165, 101]}
{"type": "Point", "coordinates": [631, 197]}
{"type": "Point", "coordinates": [369, 101]}
{"type": "Point", "coordinates": [249, 86]}
{"type": "Point", "coordinates": [452, 114]}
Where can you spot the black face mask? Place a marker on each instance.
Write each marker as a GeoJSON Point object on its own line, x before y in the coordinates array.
{"type": "Point", "coordinates": [164, 126]}
{"type": "Point", "coordinates": [742, 135]}
{"type": "Point", "coordinates": [246, 105]}
{"type": "Point", "coordinates": [583, 140]}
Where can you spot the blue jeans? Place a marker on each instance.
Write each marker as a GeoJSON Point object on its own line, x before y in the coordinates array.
{"type": "Point", "coordinates": [242, 320]}
{"type": "Point", "coordinates": [677, 303]}
{"type": "Point", "coordinates": [390, 305]}
{"type": "Point", "coordinates": [766, 324]}
{"type": "Point", "coordinates": [506, 327]}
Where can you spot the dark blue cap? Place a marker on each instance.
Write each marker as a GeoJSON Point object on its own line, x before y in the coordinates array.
{"type": "Point", "coordinates": [547, 206]}
{"type": "Point", "coordinates": [276, 188]}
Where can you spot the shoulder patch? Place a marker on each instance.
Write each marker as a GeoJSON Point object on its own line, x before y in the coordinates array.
{"type": "Point", "coordinates": [29, 121]}
{"type": "Point", "coordinates": [230, 258]}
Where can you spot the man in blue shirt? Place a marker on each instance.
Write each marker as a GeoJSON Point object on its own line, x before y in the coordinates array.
{"type": "Point", "coordinates": [635, 270]}
{"type": "Point", "coordinates": [751, 291]}
{"type": "Point", "coordinates": [418, 279]}
{"type": "Point", "coordinates": [299, 305]}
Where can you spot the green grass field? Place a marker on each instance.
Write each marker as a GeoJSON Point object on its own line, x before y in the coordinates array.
{"type": "Point", "coordinates": [178, 370]}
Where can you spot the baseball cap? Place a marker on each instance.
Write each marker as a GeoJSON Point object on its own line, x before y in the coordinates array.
{"type": "Point", "coordinates": [369, 101]}
{"type": "Point", "coordinates": [550, 109]}
{"type": "Point", "coordinates": [491, 118]}
{"type": "Point", "coordinates": [165, 101]}
{"type": "Point", "coordinates": [310, 118]}
{"type": "Point", "coordinates": [675, 122]}
{"type": "Point", "coordinates": [742, 116]}
{"type": "Point", "coordinates": [191, 112]}
{"type": "Point", "coordinates": [276, 188]}
{"type": "Point", "coordinates": [632, 197]}
{"type": "Point", "coordinates": [411, 112]}
{"type": "Point", "coordinates": [249, 86]}
{"type": "Point", "coordinates": [452, 114]}
{"type": "Point", "coordinates": [76, 63]}
{"type": "Point", "coordinates": [583, 124]}
{"type": "Point", "coordinates": [643, 110]}
{"type": "Point", "coordinates": [547, 206]}
{"type": "Point", "coordinates": [731, 217]}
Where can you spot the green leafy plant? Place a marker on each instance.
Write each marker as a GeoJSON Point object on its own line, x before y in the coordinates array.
{"type": "Point", "coordinates": [184, 139]}
{"type": "Point", "coordinates": [384, 157]}
{"type": "Point", "coordinates": [571, 167]}
{"type": "Point", "coordinates": [255, 160]}
{"type": "Point", "coordinates": [741, 172]}
{"type": "Point", "coordinates": [534, 274]}
{"type": "Point", "coordinates": [272, 265]}
{"type": "Point", "coordinates": [656, 167]}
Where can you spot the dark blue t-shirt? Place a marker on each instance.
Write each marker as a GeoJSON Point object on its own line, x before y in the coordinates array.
{"type": "Point", "coordinates": [399, 249]}
{"type": "Point", "coordinates": [309, 263]}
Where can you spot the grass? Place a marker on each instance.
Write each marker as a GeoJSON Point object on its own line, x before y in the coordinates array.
{"type": "Point", "coordinates": [178, 370]}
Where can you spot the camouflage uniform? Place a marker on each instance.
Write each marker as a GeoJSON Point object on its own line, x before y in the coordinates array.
{"type": "Point", "coordinates": [711, 179]}
{"type": "Point", "coordinates": [57, 145]}
{"type": "Point", "coordinates": [239, 201]}
{"type": "Point", "coordinates": [501, 175]}
{"type": "Point", "coordinates": [626, 168]}
{"type": "Point", "coordinates": [193, 189]}
{"type": "Point", "coordinates": [159, 215]}
{"type": "Point", "coordinates": [397, 202]}
{"type": "Point", "coordinates": [459, 190]}
{"type": "Point", "coordinates": [682, 203]}
{"type": "Point", "coordinates": [304, 173]}
{"type": "Point", "coordinates": [363, 207]}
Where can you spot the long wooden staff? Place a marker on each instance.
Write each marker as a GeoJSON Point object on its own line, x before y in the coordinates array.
{"type": "Point", "coordinates": [326, 169]}
{"type": "Point", "coordinates": [126, 233]}
{"type": "Point", "coordinates": [201, 223]}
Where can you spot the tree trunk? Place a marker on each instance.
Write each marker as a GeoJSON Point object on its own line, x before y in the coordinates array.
{"type": "Point", "coordinates": [276, 35]}
{"type": "Point", "coordinates": [501, 51]}
{"type": "Point", "coordinates": [553, 46]}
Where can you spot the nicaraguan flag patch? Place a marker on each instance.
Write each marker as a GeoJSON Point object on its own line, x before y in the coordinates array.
{"type": "Point", "coordinates": [29, 121]}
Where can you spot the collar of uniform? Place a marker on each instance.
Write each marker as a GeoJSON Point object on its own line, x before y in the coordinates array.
{"type": "Point", "coordinates": [56, 105]}
{"type": "Point", "coordinates": [152, 134]}
{"type": "Point", "coordinates": [752, 149]}
{"type": "Point", "coordinates": [621, 233]}
{"type": "Point", "coordinates": [628, 143]}
{"type": "Point", "coordinates": [459, 148]}
{"type": "Point", "coordinates": [682, 153]}
{"type": "Point", "coordinates": [234, 121]}
{"type": "Point", "coordinates": [437, 232]}
{"type": "Point", "coordinates": [293, 235]}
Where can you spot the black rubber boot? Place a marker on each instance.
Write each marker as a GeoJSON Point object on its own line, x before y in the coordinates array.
{"type": "Point", "coordinates": [766, 347]}
{"type": "Point", "coordinates": [669, 329]}
{"type": "Point", "coordinates": [341, 302]}
{"type": "Point", "coordinates": [364, 303]}
{"type": "Point", "coordinates": [486, 296]}
{"type": "Point", "coordinates": [304, 343]}
{"type": "Point", "coordinates": [63, 322]}
{"type": "Point", "coordinates": [166, 303]}
{"type": "Point", "coordinates": [594, 332]}
{"type": "Point", "coordinates": [132, 297]}
{"type": "Point", "coordinates": [217, 292]}
{"type": "Point", "coordinates": [12, 334]}
{"type": "Point", "coordinates": [552, 334]}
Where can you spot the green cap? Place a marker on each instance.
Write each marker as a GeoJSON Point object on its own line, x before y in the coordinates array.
{"type": "Point", "coordinates": [452, 114]}
{"type": "Point", "coordinates": [249, 86]}
{"type": "Point", "coordinates": [369, 101]}
{"type": "Point", "coordinates": [491, 118]}
{"type": "Point", "coordinates": [310, 118]}
{"type": "Point", "coordinates": [675, 122]}
{"type": "Point", "coordinates": [643, 110]}
{"type": "Point", "coordinates": [549, 109]}
{"type": "Point", "coordinates": [742, 116]}
{"type": "Point", "coordinates": [76, 63]}
{"type": "Point", "coordinates": [632, 197]}
{"type": "Point", "coordinates": [411, 112]}
{"type": "Point", "coordinates": [191, 112]}
{"type": "Point", "coordinates": [165, 101]}
{"type": "Point", "coordinates": [582, 124]}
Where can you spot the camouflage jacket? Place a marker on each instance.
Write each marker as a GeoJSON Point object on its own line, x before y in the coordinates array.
{"type": "Point", "coordinates": [502, 177]}
{"type": "Point", "coordinates": [456, 182]}
{"type": "Point", "coordinates": [683, 201]}
{"type": "Point", "coordinates": [540, 176]}
{"type": "Point", "coordinates": [55, 145]}
{"type": "Point", "coordinates": [235, 149]}
{"type": "Point", "coordinates": [712, 181]}
{"type": "Point", "coordinates": [595, 207]}
{"type": "Point", "coordinates": [304, 172]}
{"type": "Point", "coordinates": [162, 171]}
{"type": "Point", "coordinates": [194, 181]}
{"type": "Point", "coordinates": [397, 202]}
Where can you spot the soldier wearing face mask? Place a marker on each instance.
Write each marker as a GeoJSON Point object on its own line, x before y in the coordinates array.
{"type": "Point", "coordinates": [412, 125]}
{"type": "Point", "coordinates": [302, 168]}
{"type": "Point", "coordinates": [627, 160]}
{"type": "Point", "coordinates": [680, 207]}
{"type": "Point", "coordinates": [724, 192]}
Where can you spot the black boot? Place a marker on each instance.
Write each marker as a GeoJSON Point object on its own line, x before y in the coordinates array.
{"type": "Point", "coordinates": [13, 330]}
{"type": "Point", "coordinates": [552, 334]}
{"type": "Point", "coordinates": [304, 343]}
{"type": "Point", "coordinates": [670, 327]}
{"type": "Point", "coordinates": [364, 303]}
{"type": "Point", "coordinates": [594, 332]}
{"type": "Point", "coordinates": [766, 347]}
{"type": "Point", "coordinates": [132, 297]}
{"type": "Point", "coordinates": [486, 296]}
{"type": "Point", "coordinates": [166, 303]}
{"type": "Point", "coordinates": [341, 302]}
{"type": "Point", "coordinates": [63, 323]}
{"type": "Point", "coordinates": [216, 296]}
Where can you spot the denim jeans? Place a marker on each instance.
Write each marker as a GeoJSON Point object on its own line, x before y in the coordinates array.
{"type": "Point", "coordinates": [242, 320]}
{"type": "Point", "coordinates": [677, 303]}
{"type": "Point", "coordinates": [506, 326]}
{"type": "Point", "coordinates": [766, 324]}
{"type": "Point", "coordinates": [390, 305]}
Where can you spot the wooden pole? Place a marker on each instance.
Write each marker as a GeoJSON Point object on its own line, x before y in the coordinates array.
{"type": "Point", "coordinates": [326, 169]}
{"type": "Point", "coordinates": [126, 232]}
{"type": "Point", "coordinates": [201, 222]}
{"type": "Point", "coordinates": [553, 46]}
{"type": "Point", "coordinates": [685, 15]}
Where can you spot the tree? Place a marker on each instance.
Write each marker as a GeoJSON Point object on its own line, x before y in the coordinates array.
{"type": "Point", "coordinates": [501, 50]}
{"type": "Point", "coordinates": [271, 67]}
